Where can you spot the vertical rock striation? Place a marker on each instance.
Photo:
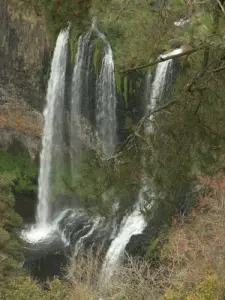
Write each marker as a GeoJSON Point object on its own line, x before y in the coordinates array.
{"type": "Point", "coordinates": [24, 64]}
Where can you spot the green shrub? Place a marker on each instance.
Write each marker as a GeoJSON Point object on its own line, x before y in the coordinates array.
{"type": "Point", "coordinates": [24, 288]}
{"type": "Point", "coordinates": [10, 244]}
{"type": "Point", "coordinates": [21, 169]}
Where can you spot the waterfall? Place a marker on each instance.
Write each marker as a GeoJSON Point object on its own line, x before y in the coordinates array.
{"type": "Point", "coordinates": [80, 96]}
{"type": "Point", "coordinates": [163, 71]}
{"type": "Point", "coordinates": [134, 223]}
{"type": "Point", "coordinates": [52, 139]}
{"type": "Point", "coordinates": [73, 226]}
{"type": "Point", "coordinates": [158, 86]}
{"type": "Point", "coordinates": [106, 101]}
{"type": "Point", "coordinates": [159, 82]}
{"type": "Point", "coordinates": [53, 132]}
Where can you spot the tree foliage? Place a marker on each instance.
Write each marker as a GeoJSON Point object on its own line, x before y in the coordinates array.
{"type": "Point", "coordinates": [24, 288]}
{"type": "Point", "coordinates": [10, 244]}
{"type": "Point", "coordinates": [102, 184]}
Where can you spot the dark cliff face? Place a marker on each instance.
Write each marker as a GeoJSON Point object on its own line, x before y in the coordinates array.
{"type": "Point", "coordinates": [24, 56]}
{"type": "Point", "coordinates": [24, 64]}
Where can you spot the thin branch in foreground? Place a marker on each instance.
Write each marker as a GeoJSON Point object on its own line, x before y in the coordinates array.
{"type": "Point", "coordinates": [221, 6]}
{"type": "Point", "coordinates": [219, 69]}
{"type": "Point", "coordinates": [128, 143]}
{"type": "Point", "coordinates": [161, 59]}
{"type": "Point", "coordinates": [121, 10]}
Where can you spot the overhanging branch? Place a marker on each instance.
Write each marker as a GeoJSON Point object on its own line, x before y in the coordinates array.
{"type": "Point", "coordinates": [174, 56]}
{"type": "Point", "coordinates": [128, 143]}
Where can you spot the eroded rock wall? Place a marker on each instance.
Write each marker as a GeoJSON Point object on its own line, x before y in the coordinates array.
{"type": "Point", "coordinates": [24, 64]}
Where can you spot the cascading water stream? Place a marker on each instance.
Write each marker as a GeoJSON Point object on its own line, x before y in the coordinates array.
{"type": "Point", "coordinates": [52, 140]}
{"type": "Point", "coordinates": [106, 100]}
{"type": "Point", "coordinates": [134, 223]}
{"type": "Point", "coordinates": [79, 96]}
{"type": "Point", "coordinates": [53, 132]}
{"type": "Point", "coordinates": [105, 113]}
{"type": "Point", "coordinates": [73, 226]}
{"type": "Point", "coordinates": [159, 82]}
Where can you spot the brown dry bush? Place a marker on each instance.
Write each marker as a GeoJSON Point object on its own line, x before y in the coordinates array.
{"type": "Point", "coordinates": [195, 248]}
{"type": "Point", "coordinates": [135, 280]}
{"type": "Point", "coordinates": [28, 122]}
{"type": "Point", "coordinates": [197, 242]}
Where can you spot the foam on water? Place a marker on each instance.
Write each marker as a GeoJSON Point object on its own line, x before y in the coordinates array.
{"type": "Point", "coordinates": [44, 233]}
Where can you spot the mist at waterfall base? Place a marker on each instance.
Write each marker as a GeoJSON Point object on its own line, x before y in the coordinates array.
{"type": "Point", "coordinates": [74, 227]}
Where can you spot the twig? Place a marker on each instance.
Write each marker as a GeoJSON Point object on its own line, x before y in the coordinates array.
{"type": "Point", "coordinates": [128, 143]}
{"type": "Point", "coordinates": [221, 6]}
{"type": "Point", "coordinates": [121, 10]}
{"type": "Point", "coordinates": [162, 60]}
{"type": "Point", "coordinates": [198, 76]}
{"type": "Point", "coordinates": [219, 69]}
{"type": "Point", "coordinates": [3, 258]}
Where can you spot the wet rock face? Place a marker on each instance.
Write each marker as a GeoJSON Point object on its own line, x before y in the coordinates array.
{"type": "Point", "coordinates": [24, 64]}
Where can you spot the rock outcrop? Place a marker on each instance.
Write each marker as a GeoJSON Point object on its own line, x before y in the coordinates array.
{"type": "Point", "coordinates": [24, 64]}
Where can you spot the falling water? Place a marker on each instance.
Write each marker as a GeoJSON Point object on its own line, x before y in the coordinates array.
{"type": "Point", "coordinates": [134, 223]}
{"type": "Point", "coordinates": [53, 135]}
{"type": "Point", "coordinates": [80, 95]}
{"type": "Point", "coordinates": [106, 100]}
{"type": "Point", "coordinates": [158, 87]}
{"type": "Point", "coordinates": [162, 71]}
{"type": "Point", "coordinates": [159, 82]}
{"type": "Point", "coordinates": [52, 139]}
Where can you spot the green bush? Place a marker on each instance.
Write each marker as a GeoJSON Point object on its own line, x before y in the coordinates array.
{"type": "Point", "coordinates": [21, 169]}
{"type": "Point", "coordinates": [10, 244]}
{"type": "Point", "coordinates": [24, 288]}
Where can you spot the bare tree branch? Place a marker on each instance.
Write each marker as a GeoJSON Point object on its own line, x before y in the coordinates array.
{"type": "Point", "coordinates": [219, 69]}
{"type": "Point", "coordinates": [121, 10]}
{"type": "Point", "coordinates": [3, 257]}
{"type": "Point", "coordinates": [174, 56]}
{"type": "Point", "coordinates": [221, 6]}
{"type": "Point", "coordinates": [128, 143]}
